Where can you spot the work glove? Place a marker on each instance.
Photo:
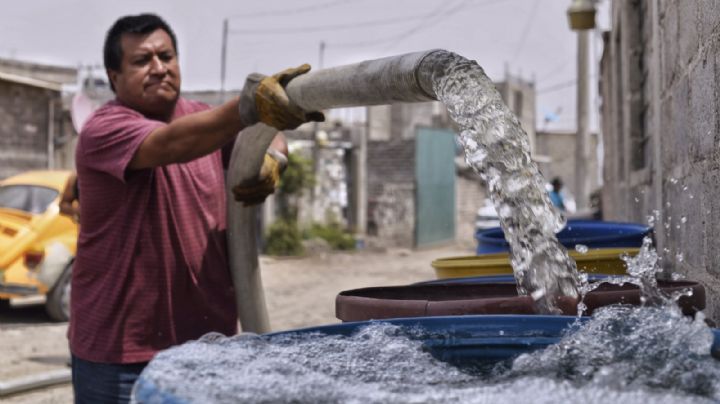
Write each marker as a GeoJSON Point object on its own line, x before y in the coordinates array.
{"type": "Point", "coordinates": [263, 99]}
{"type": "Point", "coordinates": [255, 192]}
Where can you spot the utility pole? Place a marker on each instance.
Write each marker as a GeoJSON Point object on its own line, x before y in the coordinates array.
{"type": "Point", "coordinates": [316, 148]}
{"type": "Point", "coordinates": [223, 59]}
{"type": "Point", "coordinates": [582, 18]}
{"type": "Point", "coordinates": [583, 129]}
{"type": "Point", "coordinates": [321, 59]}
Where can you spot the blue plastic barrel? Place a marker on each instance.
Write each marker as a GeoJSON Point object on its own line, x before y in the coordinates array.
{"type": "Point", "coordinates": [460, 340]}
{"type": "Point", "coordinates": [591, 233]}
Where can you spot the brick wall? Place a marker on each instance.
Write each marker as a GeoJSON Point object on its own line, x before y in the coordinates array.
{"type": "Point", "coordinates": [660, 86]}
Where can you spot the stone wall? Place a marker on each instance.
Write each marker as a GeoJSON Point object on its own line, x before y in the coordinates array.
{"type": "Point", "coordinates": [660, 85]}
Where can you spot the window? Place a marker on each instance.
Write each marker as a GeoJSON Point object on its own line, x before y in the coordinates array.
{"type": "Point", "coordinates": [28, 198]}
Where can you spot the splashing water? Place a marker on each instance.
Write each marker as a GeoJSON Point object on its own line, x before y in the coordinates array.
{"type": "Point", "coordinates": [621, 354]}
{"type": "Point", "coordinates": [498, 149]}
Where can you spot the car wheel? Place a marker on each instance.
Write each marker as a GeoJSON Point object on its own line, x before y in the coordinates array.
{"type": "Point", "coordinates": [57, 303]}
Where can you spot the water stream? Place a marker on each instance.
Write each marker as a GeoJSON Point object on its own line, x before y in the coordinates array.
{"type": "Point", "coordinates": [498, 149]}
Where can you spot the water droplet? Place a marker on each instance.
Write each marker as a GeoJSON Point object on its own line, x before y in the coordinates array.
{"type": "Point", "coordinates": [676, 276]}
{"type": "Point", "coordinates": [679, 257]}
{"type": "Point", "coordinates": [683, 219]}
{"type": "Point", "coordinates": [637, 199]}
{"type": "Point", "coordinates": [673, 180]}
{"type": "Point", "coordinates": [581, 248]}
{"type": "Point", "coordinates": [538, 294]}
{"type": "Point", "coordinates": [685, 188]}
{"type": "Point", "coordinates": [668, 204]}
{"type": "Point", "coordinates": [692, 196]}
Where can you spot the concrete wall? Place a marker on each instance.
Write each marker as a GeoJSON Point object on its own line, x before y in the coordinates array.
{"type": "Point", "coordinates": [24, 112]}
{"type": "Point", "coordinates": [560, 148]}
{"type": "Point", "coordinates": [519, 95]}
{"type": "Point", "coordinates": [660, 85]}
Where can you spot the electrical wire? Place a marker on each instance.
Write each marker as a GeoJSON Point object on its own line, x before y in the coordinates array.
{"type": "Point", "coordinates": [292, 11]}
{"type": "Point", "coordinates": [558, 86]}
{"type": "Point", "coordinates": [398, 37]}
{"type": "Point", "coordinates": [526, 30]}
{"type": "Point", "coordinates": [330, 27]}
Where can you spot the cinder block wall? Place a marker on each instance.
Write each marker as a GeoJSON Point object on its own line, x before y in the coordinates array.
{"type": "Point", "coordinates": [660, 85]}
{"type": "Point", "coordinates": [391, 190]}
{"type": "Point", "coordinates": [23, 128]}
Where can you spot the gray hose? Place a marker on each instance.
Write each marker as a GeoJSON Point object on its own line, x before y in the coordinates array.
{"type": "Point", "coordinates": [403, 78]}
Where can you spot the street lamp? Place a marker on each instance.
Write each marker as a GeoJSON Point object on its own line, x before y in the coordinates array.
{"type": "Point", "coordinates": [581, 15]}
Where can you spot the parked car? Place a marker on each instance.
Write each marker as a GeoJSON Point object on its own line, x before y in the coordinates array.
{"type": "Point", "coordinates": [37, 243]}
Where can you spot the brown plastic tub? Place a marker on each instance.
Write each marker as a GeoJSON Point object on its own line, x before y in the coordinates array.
{"type": "Point", "coordinates": [490, 298]}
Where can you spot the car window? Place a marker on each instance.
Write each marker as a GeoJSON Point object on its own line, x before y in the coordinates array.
{"type": "Point", "coordinates": [29, 198]}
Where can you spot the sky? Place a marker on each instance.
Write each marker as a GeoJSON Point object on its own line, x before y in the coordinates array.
{"type": "Point", "coordinates": [528, 38]}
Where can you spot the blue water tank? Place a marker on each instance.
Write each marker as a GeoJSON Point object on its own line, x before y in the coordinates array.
{"type": "Point", "coordinates": [591, 233]}
{"type": "Point", "coordinates": [460, 340]}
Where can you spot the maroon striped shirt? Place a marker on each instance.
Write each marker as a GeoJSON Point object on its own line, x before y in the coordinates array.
{"type": "Point", "coordinates": [151, 269]}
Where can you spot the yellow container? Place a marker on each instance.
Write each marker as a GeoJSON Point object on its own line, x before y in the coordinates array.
{"type": "Point", "coordinates": [599, 261]}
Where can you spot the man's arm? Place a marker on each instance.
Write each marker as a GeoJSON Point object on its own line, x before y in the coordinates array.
{"type": "Point", "coordinates": [263, 99]}
{"type": "Point", "coordinates": [189, 137]}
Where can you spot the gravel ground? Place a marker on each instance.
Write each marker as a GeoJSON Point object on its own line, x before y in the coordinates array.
{"type": "Point", "coordinates": [300, 292]}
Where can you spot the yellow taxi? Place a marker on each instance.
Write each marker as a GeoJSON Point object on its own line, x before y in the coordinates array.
{"type": "Point", "coordinates": [37, 243]}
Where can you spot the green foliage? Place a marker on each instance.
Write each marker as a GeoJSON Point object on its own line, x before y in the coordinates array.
{"type": "Point", "coordinates": [283, 238]}
{"type": "Point", "coordinates": [297, 176]}
{"type": "Point", "coordinates": [337, 238]}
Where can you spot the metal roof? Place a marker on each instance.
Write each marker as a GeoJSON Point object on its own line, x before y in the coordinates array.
{"type": "Point", "coordinates": [14, 78]}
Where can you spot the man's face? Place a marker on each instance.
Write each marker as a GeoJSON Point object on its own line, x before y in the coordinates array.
{"type": "Point", "coordinates": [149, 76]}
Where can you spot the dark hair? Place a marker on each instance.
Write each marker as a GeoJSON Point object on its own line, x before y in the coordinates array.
{"type": "Point", "coordinates": [132, 24]}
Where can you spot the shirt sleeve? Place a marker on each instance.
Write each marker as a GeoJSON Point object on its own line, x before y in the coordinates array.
{"type": "Point", "coordinates": [111, 138]}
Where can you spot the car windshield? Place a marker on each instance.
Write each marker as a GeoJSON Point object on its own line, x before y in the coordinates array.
{"type": "Point", "coordinates": [28, 198]}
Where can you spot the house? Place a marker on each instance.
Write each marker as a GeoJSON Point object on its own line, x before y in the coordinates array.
{"type": "Point", "coordinates": [659, 82]}
{"type": "Point", "coordinates": [35, 124]}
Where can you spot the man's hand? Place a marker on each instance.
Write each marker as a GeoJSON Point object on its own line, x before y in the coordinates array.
{"type": "Point", "coordinates": [69, 202]}
{"type": "Point", "coordinates": [263, 99]}
{"type": "Point", "coordinates": [255, 192]}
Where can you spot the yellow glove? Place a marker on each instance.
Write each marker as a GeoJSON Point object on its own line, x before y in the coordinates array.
{"type": "Point", "coordinates": [255, 192]}
{"type": "Point", "coordinates": [263, 99]}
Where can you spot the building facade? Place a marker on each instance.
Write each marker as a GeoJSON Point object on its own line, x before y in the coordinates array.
{"type": "Point", "coordinates": [35, 125]}
{"type": "Point", "coordinates": [660, 88]}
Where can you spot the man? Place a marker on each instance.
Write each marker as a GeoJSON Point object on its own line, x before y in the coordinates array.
{"type": "Point", "coordinates": [151, 269]}
{"type": "Point", "coordinates": [555, 195]}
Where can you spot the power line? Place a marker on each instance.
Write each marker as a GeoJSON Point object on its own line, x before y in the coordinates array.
{"type": "Point", "coordinates": [411, 31]}
{"type": "Point", "coordinates": [526, 30]}
{"type": "Point", "coordinates": [292, 11]}
{"type": "Point", "coordinates": [427, 22]}
{"type": "Point", "coordinates": [330, 27]}
{"type": "Point", "coordinates": [559, 86]}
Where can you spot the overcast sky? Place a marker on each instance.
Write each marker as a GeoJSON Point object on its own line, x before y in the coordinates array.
{"type": "Point", "coordinates": [531, 37]}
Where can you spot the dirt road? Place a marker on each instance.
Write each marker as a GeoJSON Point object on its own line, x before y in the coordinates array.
{"type": "Point", "coordinates": [300, 292]}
